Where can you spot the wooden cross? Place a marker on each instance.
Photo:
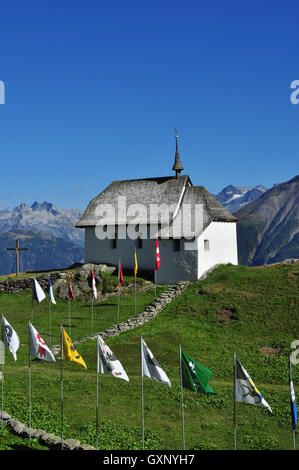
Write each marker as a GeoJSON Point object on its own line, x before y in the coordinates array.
{"type": "Point", "coordinates": [17, 249]}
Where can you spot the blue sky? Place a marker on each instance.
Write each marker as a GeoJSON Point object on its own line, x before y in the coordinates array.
{"type": "Point", "coordinates": [94, 90]}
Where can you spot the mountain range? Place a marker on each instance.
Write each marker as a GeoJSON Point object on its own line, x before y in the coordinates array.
{"type": "Point", "coordinates": [45, 218]}
{"type": "Point", "coordinates": [268, 228]}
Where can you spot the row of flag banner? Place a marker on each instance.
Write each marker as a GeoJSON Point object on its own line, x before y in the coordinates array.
{"type": "Point", "coordinates": [39, 295]}
{"type": "Point", "coordinates": [194, 376]}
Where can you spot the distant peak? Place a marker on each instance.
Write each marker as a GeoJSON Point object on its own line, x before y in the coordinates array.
{"type": "Point", "coordinates": [48, 206]}
{"type": "Point", "coordinates": [20, 207]}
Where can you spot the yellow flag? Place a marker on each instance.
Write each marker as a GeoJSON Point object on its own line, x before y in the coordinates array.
{"type": "Point", "coordinates": [136, 265]}
{"type": "Point", "coordinates": [69, 351]}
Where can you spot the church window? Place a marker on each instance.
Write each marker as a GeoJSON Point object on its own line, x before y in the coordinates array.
{"type": "Point", "coordinates": [177, 244]}
{"type": "Point", "coordinates": [206, 245]}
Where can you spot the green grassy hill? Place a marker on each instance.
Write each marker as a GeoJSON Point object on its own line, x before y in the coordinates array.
{"type": "Point", "coordinates": [252, 311]}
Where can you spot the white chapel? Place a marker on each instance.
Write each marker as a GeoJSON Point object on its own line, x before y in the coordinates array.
{"type": "Point", "coordinates": [194, 231]}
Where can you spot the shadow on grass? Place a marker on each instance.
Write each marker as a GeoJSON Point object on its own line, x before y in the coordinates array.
{"type": "Point", "coordinates": [23, 447]}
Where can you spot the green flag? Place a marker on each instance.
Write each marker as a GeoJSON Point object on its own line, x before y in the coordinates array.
{"type": "Point", "coordinates": [195, 376]}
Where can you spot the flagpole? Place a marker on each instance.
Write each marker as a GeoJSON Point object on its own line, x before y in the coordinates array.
{"type": "Point", "coordinates": [29, 385]}
{"type": "Point", "coordinates": [61, 386]}
{"type": "Point", "coordinates": [235, 429]}
{"type": "Point", "coordinates": [291, 381]}
{"type": "Point", "coordinates": [142, 410]}
{"type": "Point", "coordinates": [69, 305]}
{"type": "Point", "coordinates": [32, 308]}
{"type": "Point", "coordinates": [118, 291]}
{"type": "Point", "coordinates": [2, 385]}
{"type": "Point", "coordinates": [97, 394]}
{"type": "Point", "coordinates": [50, 321]}
{"type": "Point", "coordinates": [2, 377]}
{"type": "Point", "coordinates": [182, 403]}
{"type": "Point", "coordinates": [135, 280]}
{"type": "Point", "coordinates": [92, 317]}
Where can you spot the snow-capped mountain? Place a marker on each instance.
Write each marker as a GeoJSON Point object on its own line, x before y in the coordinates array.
{"type": "Point", "coordinates": [234, 198]}
{"type": "Point", "coordinates": [44, 218]}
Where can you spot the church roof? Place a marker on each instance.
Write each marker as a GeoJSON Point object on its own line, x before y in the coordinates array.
{"type": "Point", "coordinates": [171, 191]}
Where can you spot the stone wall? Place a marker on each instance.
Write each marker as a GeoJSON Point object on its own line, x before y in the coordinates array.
{"type": "Point", "coordinates": [13, 285]}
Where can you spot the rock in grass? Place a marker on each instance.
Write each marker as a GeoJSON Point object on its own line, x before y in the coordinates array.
{"type": "Point", "coordinates": [71, 443]}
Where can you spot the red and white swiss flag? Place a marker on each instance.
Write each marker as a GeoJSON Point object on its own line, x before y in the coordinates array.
{"type": "Point", "coordinates": [158, 258]}
{"type": "Point", "coordinates": [38, 347]}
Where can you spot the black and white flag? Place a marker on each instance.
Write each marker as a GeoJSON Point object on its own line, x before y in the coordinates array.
{"type": "Point", "coordinates": [150, 366]}
{"type": "Point", "coordinates": [10, 337]}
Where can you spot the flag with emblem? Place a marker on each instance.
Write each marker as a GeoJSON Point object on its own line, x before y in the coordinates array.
{"type": "Point", "coordinates": [107, 362]}
{"type": "Point", "coordinates": [195, 377]}
{"type": "Point", "coordinates": [38, 347]}
{"type": "Point", "coordinates": [69, 352]}
{"type": "Point", "coordinates": [245, 389]}
{"type": "Point", "coordinates": [10, 338]}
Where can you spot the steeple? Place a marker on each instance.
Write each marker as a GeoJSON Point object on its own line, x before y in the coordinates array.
{"type": "Point", "coordinates": [177, 166]}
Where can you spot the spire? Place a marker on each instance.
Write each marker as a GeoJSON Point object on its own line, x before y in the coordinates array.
{"type": "Point", "coordinates": [177, 166]}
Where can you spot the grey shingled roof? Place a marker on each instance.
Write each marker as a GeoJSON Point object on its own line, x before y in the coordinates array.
{"type": "Point", "coordinates": [163, 190]}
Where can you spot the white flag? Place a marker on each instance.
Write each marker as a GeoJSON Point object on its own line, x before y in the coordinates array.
{"type": "Point", "coordinates": [38, 293]}
{"type": "Point", "coordinates": [151, 367]}
{"type": "Point", "coordinates": [94, 287]}
{"type": "Point", "coordinates": [38, 347]}
{"type": "Point", "coordinates": [245, 389]}
{"type": "Point", "coordinates": [108, 362]}
{"type": "Point", "coordinates": [10, 337]}
{"type": "Point", "coordinates": [51, 295]}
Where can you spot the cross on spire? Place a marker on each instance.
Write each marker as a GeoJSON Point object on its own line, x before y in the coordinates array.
{"type": "Point", "coordinates": [177, 166]}
{"type": "Point", "coordinates": [17, 249]}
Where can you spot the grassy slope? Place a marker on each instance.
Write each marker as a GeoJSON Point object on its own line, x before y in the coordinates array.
{"type": "Point", "coordinates": [265, 303]}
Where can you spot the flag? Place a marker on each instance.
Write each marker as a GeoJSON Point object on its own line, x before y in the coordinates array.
{"type": "Point", "coordinates": [10, 337]}
{"type": "Point", "coordinates": [120, 275]}
{"type": "Point", "coordinates": [158, 258]}
{"type": "Point", "coordinates": [151, 367]}
{"type": "Point", "coordinates": [135, 265]}
{"type": "Point", "coordinates": [245, 389]}
{"type": "Point", "coordinates": [37, 292]}
{"type": "Point", "coordinates": [51, 295]}
{"type": "Point", "coordinates": [71, 293]}
{"type": "Point", "coordinates": [293, 401]}
{"type": "Point", "coordinates": [38, 347]}
{"type": "Point", "coordinates": [94, 287]}
{"type": "Point", "coordinates": [195, 376]}
{"type": "Point", "coordinates": [108, 362]}
{"type": "Point", "coordinates": [69, 352]}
